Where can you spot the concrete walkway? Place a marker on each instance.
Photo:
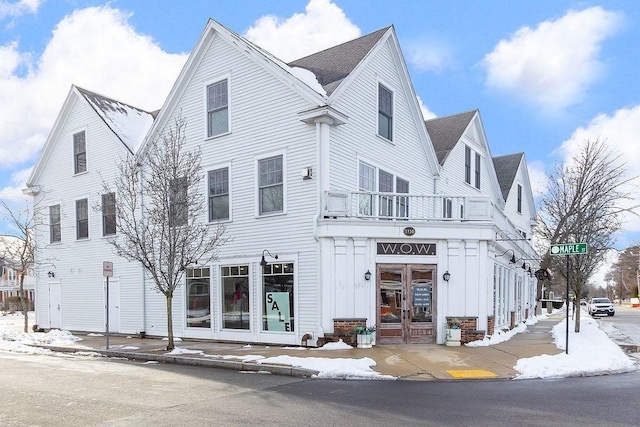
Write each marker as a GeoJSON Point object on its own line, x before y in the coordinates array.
{"type": "Point", "coordinates": [409, 362]}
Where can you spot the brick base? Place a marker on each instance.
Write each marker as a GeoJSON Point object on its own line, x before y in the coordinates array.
{"type": "Point", "coordinates": [343, 329]}
{"type": "Point", "coordinates": [469, 326]}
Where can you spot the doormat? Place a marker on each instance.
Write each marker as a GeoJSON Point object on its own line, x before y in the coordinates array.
{"type": "Point", "coordinates": [471, 373]}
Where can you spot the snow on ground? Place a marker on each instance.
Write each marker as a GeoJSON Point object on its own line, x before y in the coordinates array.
{"type": "Point", "coordinates": [591, 351]}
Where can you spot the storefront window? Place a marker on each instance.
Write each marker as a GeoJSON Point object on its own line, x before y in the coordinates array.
{"type": "Point", "coordinates": [235, 297]}
{"type": "Point", "coordinates": [278, 297]}
{"type": "Point", "coordinates": [198, 298]}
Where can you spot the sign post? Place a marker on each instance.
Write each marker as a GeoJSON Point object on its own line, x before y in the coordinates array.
{"type": "Point", "coordinates": [107, 271]}
{"type": "Point", "coordinates": [567, 249]}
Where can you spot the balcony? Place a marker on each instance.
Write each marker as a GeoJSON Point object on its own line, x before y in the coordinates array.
{"type": "Point", "coordinates": [404, 206]}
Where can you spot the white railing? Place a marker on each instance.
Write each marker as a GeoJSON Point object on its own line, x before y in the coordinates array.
{"type": "Point", "coordinates": [401, 206]}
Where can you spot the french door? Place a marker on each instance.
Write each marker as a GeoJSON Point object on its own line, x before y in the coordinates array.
{"type": "Point", "coordinates": [406, 304]}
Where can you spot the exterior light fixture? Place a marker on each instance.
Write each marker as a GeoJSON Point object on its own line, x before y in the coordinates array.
{"type": "Point", "coordinates": [446, 276]}
{"type": "Point", "coordinates": [513, 256]}
{"type": "Point", "coordinates": [51, 274]}
{"type": "Point", "coordinates": [263, 262]}
{"type": "Point", "coordinates": [513, 259]}
{"type": "Point", "coordinates": [367, 276]}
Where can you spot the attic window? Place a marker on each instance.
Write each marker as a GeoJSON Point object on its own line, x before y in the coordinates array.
{"type": "Point", "coordinates": [217, 108]}
{"type": "Point", "coordinates": [385, 112]}
{"type": "Point", "coordinates": [519, 198]}
{"type": "Point", "coordinates": [80, 152]}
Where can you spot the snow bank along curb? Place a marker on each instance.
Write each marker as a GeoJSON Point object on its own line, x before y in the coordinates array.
{"type": "Point", "coordinates": [196, 361]}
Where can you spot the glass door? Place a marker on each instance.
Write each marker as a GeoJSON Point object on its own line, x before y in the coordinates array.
{"type": "Point", "coordinates": [406, 301]}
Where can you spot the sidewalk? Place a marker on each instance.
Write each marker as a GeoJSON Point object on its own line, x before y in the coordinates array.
{"type": "Point", "coordinates": [407, 362]}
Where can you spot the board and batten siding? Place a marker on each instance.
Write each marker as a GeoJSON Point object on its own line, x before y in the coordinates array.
{"type": "Point", "coordinates": [77, 264]}
{"type": "Point", "coordinates": [358, 139]}
{"type": "Point", "coordinates": [263, 122]}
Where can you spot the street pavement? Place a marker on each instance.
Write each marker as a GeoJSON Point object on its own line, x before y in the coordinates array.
{"type": "Point", "coordinates": [407, 362]}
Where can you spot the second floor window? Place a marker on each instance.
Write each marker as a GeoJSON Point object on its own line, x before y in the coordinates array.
{"type": "Point", "coordinates": [79, 152]}
{"type": "Point", "coordinates": [519, 198]}
{"type": "Point", "coordinates": [217, 108]}
{"type": "Point", "coordinates": [82, 219]}
{"type": "Point", "coordinates": [178, 209]}
{"type": "Point", "coordinates": [108, 214]}
{"type": "Point", "coordinates": [385, 112]}
{"type": "Point", "coordinates": [270, 185]}
{"type": "Point", "coordinates": [219, 194]}
{"type": "Point", "coordinates": [55, 231]}
{"type": "Point", "coordinates": [467, 164]}
{"type": "Point", "coordinates": [477, 175]}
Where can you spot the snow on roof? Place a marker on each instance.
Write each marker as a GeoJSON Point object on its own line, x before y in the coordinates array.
{"type": "Point", "coordinates": [309, 78]}
{"type": "Point", "coordinates": [129, 123]}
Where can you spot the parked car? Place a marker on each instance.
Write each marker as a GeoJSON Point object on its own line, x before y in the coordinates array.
{"type": "Point", "coordinates": [601, 306]}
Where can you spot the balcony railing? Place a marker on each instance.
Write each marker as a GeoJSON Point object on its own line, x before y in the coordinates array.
{"type": "Point", "coordinates": [402, 206]}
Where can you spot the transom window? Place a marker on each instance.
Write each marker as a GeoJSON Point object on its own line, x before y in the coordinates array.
{"type": "Point", "coordinates": [108, 214]}
{"type": "Point", "coordinates": [198, 298]}
{"type": "Point", "coordinates": [217, 108]}
{"type": "Point", "coordinates": [270, 185]}
{"type": "Point", "coordinates": [385, 112]}
{"type": "Point", "coordinates": [80, 152]}
{"type": "Point", "coordinates": [55, 231]}
{"type": "Point", "coordinates": [82, 219]}
{"type": "Point", "coordinates": [219, 194]}
{"type": "Point", "coordinates": [278, 297]}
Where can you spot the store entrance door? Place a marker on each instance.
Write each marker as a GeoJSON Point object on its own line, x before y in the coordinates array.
{"type": "Point", "coordinates": [406, 303]}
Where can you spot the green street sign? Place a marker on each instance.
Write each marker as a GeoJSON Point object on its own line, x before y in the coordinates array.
{"type": "Point", "coordinates": [569, 249]}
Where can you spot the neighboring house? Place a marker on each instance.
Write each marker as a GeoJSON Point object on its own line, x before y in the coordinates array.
{"type": "Point", "coordinates": [326, 162]}
{"type": "Point", "coordinates": [10, 270]}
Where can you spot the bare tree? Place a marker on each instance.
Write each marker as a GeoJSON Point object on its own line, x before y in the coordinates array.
{"type": "Point", "coordinates": [160, 212]}
{"type": "Point", "coordinates": [19, 248]}
{"type": "Point", "coordinates": [625, 273]}
{"type": "Point", "coordinates": [584, 202]}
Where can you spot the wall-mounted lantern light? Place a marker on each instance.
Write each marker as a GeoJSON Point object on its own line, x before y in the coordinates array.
{"type": "Point", "coordinates": [263, 262]}
{"type": "Point", "coordinates": [446, 276]}
{"type": "Point", "coordinates": [367, 276]}
{"type": "Point", "coordinates": [51, 274]}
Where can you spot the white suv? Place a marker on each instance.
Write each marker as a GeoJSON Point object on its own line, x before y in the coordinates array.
{"type": "Point", "coordinates": [601, 306]}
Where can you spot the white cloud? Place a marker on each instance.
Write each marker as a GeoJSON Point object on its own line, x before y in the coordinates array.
{"type": "Point", "coordinates": [553, 64]}
{"type": "Point", "coordinates": [426, 113]}
{"type": "Point", "coordinates": [323, 25]}
{"type": "Point", "coordinates": [620, 131]}
{"type": "Point", "coordinates": [538, 177]}
{"type": "Point", "coordinates": [428, 55]}
{"type": "Point", "coordinates": [94, 48]}
{"type": "Point", "coordinates": [18, 8]}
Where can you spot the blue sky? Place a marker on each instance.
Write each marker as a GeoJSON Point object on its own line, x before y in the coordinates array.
{"type": "Point", "coordinates": [545, 75]}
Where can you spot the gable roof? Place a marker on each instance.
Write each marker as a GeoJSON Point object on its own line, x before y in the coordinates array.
{"type": "Point", "coordinates": [128, 123]}
{"type": "Point", "coordinates": [506, 169]}
{"type": "Point", "coordinates": [445, 132]}
{"type": "Point", "coordinates": [331, 66]}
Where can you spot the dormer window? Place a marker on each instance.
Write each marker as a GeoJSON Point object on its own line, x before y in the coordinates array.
{"type": "Point", "coordinates": [385, 112]}
{"type": "Point", "coordinates": [80, 152]}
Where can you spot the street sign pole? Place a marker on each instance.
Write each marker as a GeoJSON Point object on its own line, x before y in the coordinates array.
{"type": "Point", "coordinates": [107, 325]}
{"type": "Point", "coordinates": [107, 271]}
{"type": "Point", "coordinates": [566, 350]}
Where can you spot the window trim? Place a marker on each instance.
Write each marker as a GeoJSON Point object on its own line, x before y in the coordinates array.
{"type": "Point", "coordinates": [77, 219]}
{"type": "Point", "coordinates": [229, 218]}
{"type": "Point", "coordinates": [73, 152]}
{"type": "Point", "coordinates": [284, 259]}
{"type": "Point", "coordinates": [205, 102]}
{"type": "Point", "coordinates": [103, 215]}
{"type": "Point", "coordinates": [387, 87]}
{"type": "Point", "coordinates": [256, 181]}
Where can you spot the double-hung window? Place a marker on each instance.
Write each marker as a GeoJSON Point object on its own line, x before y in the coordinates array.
{"type": "Point", "coordinates": [218, 108]}
{"type": "Point", "coordinates": [385, 112]}
{"type": "Point", "coordinates": [219, 194]}
{"type": "Point", "coordinates": [402, 202]}
{"type": "Point", "coordinates": [385, 185]}
{"type": "Point", "coordinates": [79, 152]}
{"type": "Point", "coordinates": [447, 208]}
{"type": "Point", "coordinates": [467, 164]}
{"type": "Point", "coordinates": [477, 170]}
{"type": "Point", "coordinates": [178, 209]}
{"type": "Point", "coordinates": [82, 219]}
{"type": "Point", "coordinates": [366, 183]}
{"type": "Point", "coordinates": [108, 214]}
{"type": "Point", "coordinates": [270, 185]}
{"type": "Point", "coordinates": [55, 231]}
{"type": "Point", "coordinates": [519, 198]}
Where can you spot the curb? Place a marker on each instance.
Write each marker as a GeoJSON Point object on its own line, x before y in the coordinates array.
{"type": "Point", "coordinates": [196, 361]}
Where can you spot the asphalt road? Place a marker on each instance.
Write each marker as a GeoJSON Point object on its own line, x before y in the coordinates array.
{"type": "Point", "coordinates": [61, 390]}
{"type": "Point", "coordinates": [626, 322]}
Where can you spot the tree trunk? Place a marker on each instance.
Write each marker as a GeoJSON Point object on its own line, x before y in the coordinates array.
{"type": "Point", "coordinates": [578, 310]}
{"type": "Point", "coordinates": [24, 304]}
{"type": "Point", "coordinates": [170, 345]}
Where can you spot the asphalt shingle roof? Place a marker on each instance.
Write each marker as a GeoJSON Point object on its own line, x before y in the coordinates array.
{"type": "Point", "coordinates": [333, 65]}
{"type": "Point", "coordinates": [506, 168]}
{"type": "Point", "coordinates": [445, 132]}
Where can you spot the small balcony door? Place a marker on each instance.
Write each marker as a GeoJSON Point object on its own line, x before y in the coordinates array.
{"type": "Point", "coordinates": [406, 304]}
